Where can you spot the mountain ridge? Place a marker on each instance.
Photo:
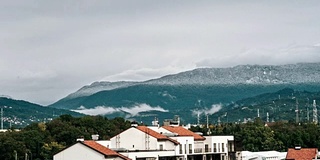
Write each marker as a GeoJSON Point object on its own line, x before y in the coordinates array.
{"type": "Point", "coordinates": [181, 93]}
{"type": "Point", "coordinates": [19, 113]}
{"type": "Point", "coordinates": [254, 74]}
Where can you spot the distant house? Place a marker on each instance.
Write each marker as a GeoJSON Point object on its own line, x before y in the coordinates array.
{"type": "Point", "coordinates": [263, 155]}
{"type": "Point", "coordinates": [88, 150]}
{"type": "Point", "coordinates": [299, 153]}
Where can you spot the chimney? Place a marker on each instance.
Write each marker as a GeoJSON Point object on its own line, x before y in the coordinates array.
{"type": "Point", "coordinates": [134, 124]}
{"type": "Point", "coordinates": [297, 148]}
{"type": "Point", "coordinates": [80, 139]}
{"type": "Point", "coordinates": [95, 137]}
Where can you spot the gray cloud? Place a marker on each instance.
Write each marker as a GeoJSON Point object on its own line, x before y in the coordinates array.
{"type": "Point", "coordinates": [52, 48]}
{"type": "Point", "coordinates": [289, 55]}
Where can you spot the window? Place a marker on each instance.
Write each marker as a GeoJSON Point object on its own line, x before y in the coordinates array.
{"type": "Point", "coordinates": [218, 147]}
{"type": "Point", "coordinates": [180, 148]}
{"type": "Point", "coordinates": [214, 147]}
{"type": "Point", "coordinates": [231, 146]}
{"type": "Point", "coordinates": [161, 147]}
{"type": "Point", "coordinates": [185, 148]}
{"type": "Point", "coordinates": [222, 146]}
{"type": "Point", "coordinates": [206, 148]}
{"type": "Point", "coordinates": [190, 148]}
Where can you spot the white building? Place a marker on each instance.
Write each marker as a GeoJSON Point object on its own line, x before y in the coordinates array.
{"type": "Point", "coordinates": [195, 146]}
{"type": "Point", "coordinates": [155, 143]}
{"type": "Point", "coordinates": [266, 155]}
{"type": "Point", "coordinates": [88, 150]}
{"type": "Point", "coordinates": [222, 145]}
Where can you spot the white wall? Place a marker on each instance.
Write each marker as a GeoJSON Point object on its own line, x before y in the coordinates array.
{"type": "Point", "coordinates": [133, 138]}
{"type": "Point", "coordinates": [184, 142]}
{"type": "Point", "coordinates": [220, 141]}
{"type": "Point", "coordinates": [265, 155]}
{"type": "Point", "coordinates": [78, 152]}
{"type": "Point", "coordinates": [155, 154]}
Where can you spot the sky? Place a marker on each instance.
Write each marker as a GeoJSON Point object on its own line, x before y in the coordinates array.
{"type": "Point", "coordinates": [49, 49]}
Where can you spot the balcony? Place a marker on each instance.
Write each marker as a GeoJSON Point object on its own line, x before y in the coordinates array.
{"type": "Point", "coordinates": [198, 150]}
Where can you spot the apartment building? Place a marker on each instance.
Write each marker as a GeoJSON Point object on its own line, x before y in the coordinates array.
{"type": "Point", "coordinates": [155, 143]}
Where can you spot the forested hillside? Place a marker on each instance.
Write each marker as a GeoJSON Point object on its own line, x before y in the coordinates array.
{"type": "Point", "coordinates": [259, 136]}
{"type": "Point", "coordinates": [43, 140]}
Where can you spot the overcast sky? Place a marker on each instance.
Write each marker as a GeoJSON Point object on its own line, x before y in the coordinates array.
{"type": "Point", "coordinates": [49, 49]}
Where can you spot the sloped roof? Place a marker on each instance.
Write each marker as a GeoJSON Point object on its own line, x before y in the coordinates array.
{"type": "Point", "coordinates": [103, 150]}
{"type": "Point", "coordinates": [155, 134]}
{"type": "Point", "coordinates": [183, 132]}
{"type": "Point", "coordinates": [302, 154]}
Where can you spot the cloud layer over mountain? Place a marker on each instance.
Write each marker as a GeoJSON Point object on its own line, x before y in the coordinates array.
{"type": "Point", "coordinates": [50, 49]}
{"type": "Point", "coordinates": [131, 111]}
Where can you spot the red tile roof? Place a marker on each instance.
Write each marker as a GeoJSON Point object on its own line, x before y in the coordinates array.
{"type": "Point", "coordinates": [104, 150]}
{"type": "Point", "coordinates": [184, 132]}
{"type": "Point", "coordinates": [155, 134]}
{"type": "Point", "coordinates": [302, 154]}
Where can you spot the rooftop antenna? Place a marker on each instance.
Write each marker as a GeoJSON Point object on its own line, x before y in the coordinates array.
{"type": "Point", "coordinates": [258, 113]}
{"type": "Point", "coordinates": [209, 131]}
{"type": "Point", "coordinates": [198, 114]}
{"type": "Point", "coordinates": [219, 122]}
{"type": "Point", "coordinates": [267, 117]}
{"type": "Point", "coordinates": [297, 111]}
{"type": "Point", "coordinates": [315, 112]}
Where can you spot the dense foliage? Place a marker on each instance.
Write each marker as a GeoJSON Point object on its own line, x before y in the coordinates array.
{"type": "Point", "coordinates": [280, 106]}
{"type": "Point", "coordinates": [43, 140]}
{"type": "Point", "coordinates": [258, 136]}
{"type": "Point", "coordinates": [184, 100]}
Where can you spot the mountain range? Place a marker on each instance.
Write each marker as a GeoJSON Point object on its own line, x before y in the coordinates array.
{"type": "Point", "coordinates": [214, 92]}
{"type": "Point", "coordinates": [202, 90]}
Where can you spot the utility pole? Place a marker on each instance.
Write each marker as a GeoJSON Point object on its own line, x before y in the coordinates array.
{"type": "Point", "coordinates": [1, 118]}
{"type": "Point", "coordinates": [297, 111]}
{"type": "Point", "coordinates": [15, 155]}
{"type": "Point", "coordinates": [198, 118]}
{"type": "Point", "coordinates": [315, 112]}
{"type": "Point", "coordinates": [207, 120]}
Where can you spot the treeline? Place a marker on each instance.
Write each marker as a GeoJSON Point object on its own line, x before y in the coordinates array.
{"type": "Point", "coordinates": [42, 140]}
{"type": "Point", "coordinates": [279, 136]}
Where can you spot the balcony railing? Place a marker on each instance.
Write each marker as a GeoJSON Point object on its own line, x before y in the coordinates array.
{"type": "Point", "coordinates": [198, 150]}
{"type": "Point", "coordinates": [207, 149]}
